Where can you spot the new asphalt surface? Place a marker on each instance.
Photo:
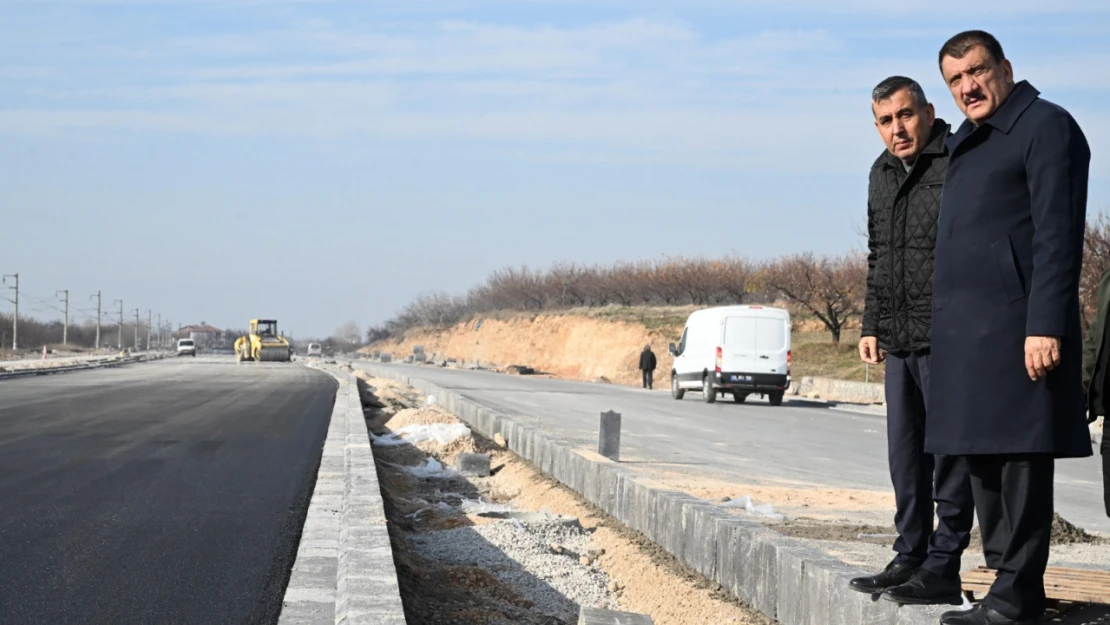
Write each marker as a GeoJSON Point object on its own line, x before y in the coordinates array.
{"type": "Point", "coordinates": [169, 492]}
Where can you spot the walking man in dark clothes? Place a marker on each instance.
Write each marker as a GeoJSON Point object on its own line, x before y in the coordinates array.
{"type": "Point", "coordinates": [647, 366]}
{"type": "Point", "coordinates": [903, 206]}
{"type": "Point", "coordinates": [1007, 352]}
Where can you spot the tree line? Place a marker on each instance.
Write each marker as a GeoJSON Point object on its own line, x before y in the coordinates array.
{"type": "Point", "coordinates": [830, 288]}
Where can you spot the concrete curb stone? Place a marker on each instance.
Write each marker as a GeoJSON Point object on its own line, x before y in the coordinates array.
{"type": "Point", "coordinates": [344, 572]}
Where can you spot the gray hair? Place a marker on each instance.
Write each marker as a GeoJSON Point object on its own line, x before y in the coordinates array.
{"type": "Point", "coordinates": [887, 88]}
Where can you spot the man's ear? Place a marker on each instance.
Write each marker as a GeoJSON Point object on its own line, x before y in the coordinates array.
{"type": "Point", "coordinates": [930, 113]}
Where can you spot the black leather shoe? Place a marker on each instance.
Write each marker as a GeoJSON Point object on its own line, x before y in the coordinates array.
{"type": "Point", "coordinates": [925, 588]}
{"type": "Point", "coordinates": [980, 615]}
{"type": "Point", "coordinates": [893, 575]}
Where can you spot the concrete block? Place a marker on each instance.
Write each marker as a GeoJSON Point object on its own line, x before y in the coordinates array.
{"type": "Point", "coordinates": [610, 477]}
{"type": "Point", "coordinates": [629, 498]}
{"type": "Point", "coordinates": [591, 482]}
{"type": "Point", "coordinates": [511, 436]}
{"type": "Point", "coordinates": [609, 436]}
{"type": "Point", "coordinates": [560, 462]}
{"type": "Point", "coordinates": [576, 471]}
{"type": "Point", "coordinates": [667, 529]}
{"type": "Point", "coordinates": [802, 592]}
{"type": "Point", "coordinates": [921, 614]}
{"type": "Point", "coordinates": [646, 511]}
{"type": "Point", "coordinates": [527, 437]}
{"type": "Point", "coordinates": [848, 607]}
{"type": "Point", "coordinates": [547, 456]}
{"type": "Point", "coordinates": [736, 542]}
{"type": "Point", "coordinates": [761, 572]}
{"type": "Point", "coordinates": [699, 523]}
{"type": "Point", "coordinates": [473, 465]}
{"type": "Point", "coordinates": [595, 616]}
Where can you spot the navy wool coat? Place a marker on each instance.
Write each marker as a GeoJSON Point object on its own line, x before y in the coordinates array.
{"type": "Point", "coordinates": [1008, 255]}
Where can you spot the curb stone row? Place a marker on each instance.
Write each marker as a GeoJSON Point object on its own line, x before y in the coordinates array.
{"type": "Point", "coordinates": [344, 572]}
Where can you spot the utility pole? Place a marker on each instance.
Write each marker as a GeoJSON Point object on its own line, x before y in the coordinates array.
{"type": "Point", "coordinates": [136, 329]}
{"type": "Point", "coordinates": [15, 319]}
{"type": "Point", "coordinates": [97, 296]}
{"type": "Point", "coordinates": [148, 330]}
{"type": "Point", "coordinates": [159, 336]}
{"type": "Point", "coordinates": [65, 327]}
{"type": "Point", "coordinates": [120, 302]}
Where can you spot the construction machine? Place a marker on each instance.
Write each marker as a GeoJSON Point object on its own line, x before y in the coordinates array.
{"type": "Point", "coordinates": [263, 343]}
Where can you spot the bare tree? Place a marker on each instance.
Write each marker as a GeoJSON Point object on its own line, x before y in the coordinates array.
{"type": "Point", "coordinates": [830, 288]}
{"type": "Point", "coordinates": [1096, 259]}
{"type": "Point", "coordinates": [348, 333]}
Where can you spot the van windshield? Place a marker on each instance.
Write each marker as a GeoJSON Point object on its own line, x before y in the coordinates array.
{"type": "Point", "coordinates": [185, 343]}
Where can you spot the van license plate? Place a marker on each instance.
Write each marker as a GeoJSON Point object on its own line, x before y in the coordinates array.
{"type": "Point", "coordinates": [741, 378]}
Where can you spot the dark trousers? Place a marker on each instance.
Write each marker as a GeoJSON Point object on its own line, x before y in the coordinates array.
{"type": "Point", "coordinates": [919, 478]}
{"type": "Point", "coordinates": [648, 375]}
{"type": "Point", "coordinates": [1106, 473]}
{"type": "Point", "coordinates": [1013, 498]}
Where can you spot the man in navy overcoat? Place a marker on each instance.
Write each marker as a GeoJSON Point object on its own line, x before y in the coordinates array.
{"type": "Point", "coordinates": [1007, 387]}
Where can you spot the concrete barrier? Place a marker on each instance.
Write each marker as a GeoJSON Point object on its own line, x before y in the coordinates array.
{"type": "Point", "coordinates": [785, 578]}
{"type": "Point", "coordinates": [840, 390]}
{"type": "Point", "coordinates": [344, 571]}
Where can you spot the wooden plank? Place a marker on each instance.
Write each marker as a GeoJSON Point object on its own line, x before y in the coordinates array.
{"type": "Point", "coordinates": [1081, 585]}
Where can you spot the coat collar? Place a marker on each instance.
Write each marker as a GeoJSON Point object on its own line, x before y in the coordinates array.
{"type": "Point", "coordinates": [1004, 118]}
{"type": "Point", "coordinates": [935, 145]}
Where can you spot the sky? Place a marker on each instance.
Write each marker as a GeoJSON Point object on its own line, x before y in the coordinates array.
{"type": "Point", "coordinates": [319, 161]}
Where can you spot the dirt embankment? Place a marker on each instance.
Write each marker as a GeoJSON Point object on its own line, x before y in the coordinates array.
{"type": "Point", "coordinates": [568, 346]}
{"type": "Point", "coordinates": [588, 344]}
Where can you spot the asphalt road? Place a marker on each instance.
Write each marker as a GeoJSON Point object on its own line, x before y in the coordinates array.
{"type": "Point", "coordinates": [169, 492]}
{"type": "Point", "coordinates": [799, 443]}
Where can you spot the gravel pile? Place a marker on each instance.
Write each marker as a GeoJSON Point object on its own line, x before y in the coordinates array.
{"type": "Point", "coordinates": [522, 556]}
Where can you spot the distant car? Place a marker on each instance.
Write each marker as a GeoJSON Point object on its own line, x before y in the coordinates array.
{"type": "Point", "coordinates": [314, 349]}
{"type": "Point", "coordinates": [186, 347]}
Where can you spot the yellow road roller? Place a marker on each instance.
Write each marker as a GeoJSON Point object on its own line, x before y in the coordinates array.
{"type": "Point", "coordinates": [263, 344]}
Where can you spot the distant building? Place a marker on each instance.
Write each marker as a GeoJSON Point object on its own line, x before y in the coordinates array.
{"type": "Point", "coordinates": [204, 335]}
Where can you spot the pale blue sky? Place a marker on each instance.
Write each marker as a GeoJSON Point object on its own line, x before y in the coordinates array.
{"type": "Point", "coordinates": [322, 161]}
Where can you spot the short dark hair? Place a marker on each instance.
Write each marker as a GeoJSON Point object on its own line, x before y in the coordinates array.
{"type": "Point", "coordinates": [958, 46]}
{"type": "Point", "coordinates": [887, 88]}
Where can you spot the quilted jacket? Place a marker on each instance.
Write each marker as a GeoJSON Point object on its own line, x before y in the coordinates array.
{"type": "Point", "coordinates": [902, 212]}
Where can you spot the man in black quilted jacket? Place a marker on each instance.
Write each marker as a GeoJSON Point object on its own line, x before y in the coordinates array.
{"type": "Point", "coordinates": [903, 205]}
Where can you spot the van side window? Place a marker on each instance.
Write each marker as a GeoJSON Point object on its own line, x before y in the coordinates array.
{"type": "Point", "coordinates": [682, 343]}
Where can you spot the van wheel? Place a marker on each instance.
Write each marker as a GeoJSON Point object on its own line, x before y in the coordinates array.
{"type": "Point", "coordinates": [676, 392]}
{"type": "Point", "coordinates": [775, 398]}
{"type": "Point", "coordinates": [739, 397]}
{"type": "Point", "coordinates": [708, 393]}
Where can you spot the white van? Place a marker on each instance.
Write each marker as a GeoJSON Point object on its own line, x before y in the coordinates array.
{"type": "Point", "coordinates": [739, 350]}
{"type": "Point", "coordinates": [314, 349]}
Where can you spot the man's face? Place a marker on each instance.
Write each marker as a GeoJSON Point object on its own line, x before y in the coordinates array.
{"type": "Point", "coordinates": [978, 84]}
{"type": "Point", "coordinates": [904, 124]}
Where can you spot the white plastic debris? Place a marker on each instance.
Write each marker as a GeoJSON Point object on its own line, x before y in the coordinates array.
{"type": "Point", "coordinates": [441, 433]}
{"type": "Point", "coordinates": [471, 506]}
{"type": "Point", "coordinates": [766, 510]}
{"type": "Point", "coordinates": [389, 440]}
{"type": "Point", "coordinates": [431, 469]}
{"type": "Point", "coordinates": [431, 401]}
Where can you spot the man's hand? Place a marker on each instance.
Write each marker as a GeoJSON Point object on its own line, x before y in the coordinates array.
{"type": "Point", "coordinates": [869, 351]}
{"type": "Point", "coordinates": [1042, 354]}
